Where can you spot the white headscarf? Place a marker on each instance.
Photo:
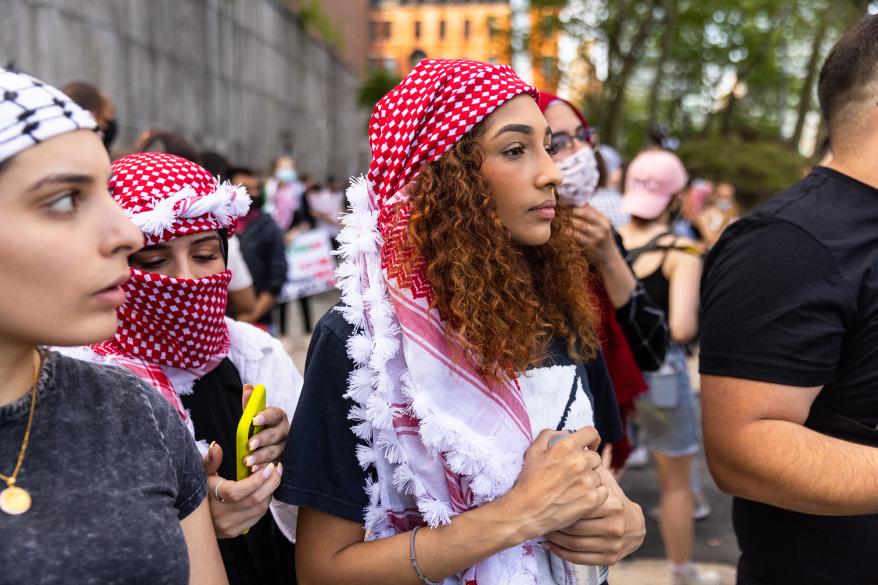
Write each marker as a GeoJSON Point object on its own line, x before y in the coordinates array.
{"type": "Point", "coordinates": [32, 111]}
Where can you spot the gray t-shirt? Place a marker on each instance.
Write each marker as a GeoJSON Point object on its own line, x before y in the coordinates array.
{"type": "Point", "coordinates": [111, 469]}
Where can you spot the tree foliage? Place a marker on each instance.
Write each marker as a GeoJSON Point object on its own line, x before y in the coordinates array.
{"type": "Point", "coordinates": [758, 169]}
{"type": "Point", "coordinates": [376, 85]}
{"type": "Point", "coordinates": [706, 67]}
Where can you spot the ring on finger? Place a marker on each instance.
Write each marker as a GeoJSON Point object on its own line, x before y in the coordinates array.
{"type": "Point", "coordinates": [216, 493]}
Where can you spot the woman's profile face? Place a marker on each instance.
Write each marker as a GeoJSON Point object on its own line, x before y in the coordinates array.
{"type": "Point", "coordinates": [519, 169]}
{"type": "Point", "coordinates": [65, 244]}
{"type": "Point", "coordinates": [187, 257]}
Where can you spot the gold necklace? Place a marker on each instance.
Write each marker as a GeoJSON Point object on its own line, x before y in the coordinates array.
{"type": "Point", "coordinates": [15, 500]}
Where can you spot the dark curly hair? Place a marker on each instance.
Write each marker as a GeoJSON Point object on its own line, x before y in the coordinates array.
{"type": "Point", "coordinates": [503, 303]}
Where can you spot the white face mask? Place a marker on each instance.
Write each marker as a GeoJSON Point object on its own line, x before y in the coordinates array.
{"type": "Point", "coordinates": [580, 177]}
{"type": "Point", "coordinates": [285, 175]}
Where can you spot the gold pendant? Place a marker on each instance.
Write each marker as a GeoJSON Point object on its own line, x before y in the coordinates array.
{"type": "Point", "coordinates": [15, 500]}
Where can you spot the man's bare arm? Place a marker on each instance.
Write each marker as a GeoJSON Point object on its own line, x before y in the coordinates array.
{"type": "Point", "coordinates": [757, 448]}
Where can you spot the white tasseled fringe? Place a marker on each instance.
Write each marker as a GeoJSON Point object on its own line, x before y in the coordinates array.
{"type": "Point", "coordinates": [366, 306]}
{"type": "Point", "coordinates": [224, 204]}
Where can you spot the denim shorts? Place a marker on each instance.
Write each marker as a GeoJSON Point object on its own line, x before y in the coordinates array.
{"type": "Point", "coordinates": [667, 415]}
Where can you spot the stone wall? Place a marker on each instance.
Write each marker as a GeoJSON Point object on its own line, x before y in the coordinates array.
{"type": "Point", "coordinates": [241, 77]}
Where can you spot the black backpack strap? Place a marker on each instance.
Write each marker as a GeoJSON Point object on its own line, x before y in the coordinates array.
{"type": "Point", "coordinates": [650, 246]}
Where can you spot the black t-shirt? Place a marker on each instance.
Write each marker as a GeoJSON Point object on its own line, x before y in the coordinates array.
{"type": "Point", "coordinates": [111, 469]}
{"type": "Point", "coordinates": [320, 466]}
{"type": "Point", "coordinates": [790, 296]}
{"type": "Point", "coordinates": [263, 556]}
{"type": "Point", "coordinates": [262, 245]}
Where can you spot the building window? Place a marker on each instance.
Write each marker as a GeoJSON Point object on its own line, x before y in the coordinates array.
{"type": "Point", "coordinates": [442, 30]}
{"type": "Point", "coordinates": [466, 29]}
{"type": "Point", "coordinates": [416, 57]}
{"type": "Point", "coordinates": [417, 29]}
{"type": "Point", "coordinates": [385, 30]}
{"type": "Point", "coordinates": [386, 63]}
{"type": "Point", "coordinates": [373, 30]}
{"type": "Point", "coordinates": [492, 27]}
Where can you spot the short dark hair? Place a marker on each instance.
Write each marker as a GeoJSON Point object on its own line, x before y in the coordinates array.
{"type": "Point", "coordinates": [215, 163]}
{"type": "Point", "coordinates": [241, 170]}
{"type": "Point", "coordinates": [849, 77]}
{"type": "Point", "coordinates": [87, 96]}
{"type": "Point", "coordinates": [166, 141]}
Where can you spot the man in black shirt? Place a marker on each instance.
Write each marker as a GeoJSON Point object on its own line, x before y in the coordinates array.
{"type": "Point", "coordinates": [789, 357]}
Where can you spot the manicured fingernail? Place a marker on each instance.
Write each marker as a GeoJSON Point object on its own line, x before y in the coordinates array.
{"type": "Point", "coordinates": [249, 461]}
{"type": "Point", "coordinates": [269, 469]}
{"type": "Point", "coordinates": [253, 444]}
{"type": "Point", "coordinates": [280, 469]}
{"type": "Point", "coordinates": [258, 420]}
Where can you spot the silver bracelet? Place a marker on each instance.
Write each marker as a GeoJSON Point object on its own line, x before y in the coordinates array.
{"type": "Point", "coordinates": [415, 562]}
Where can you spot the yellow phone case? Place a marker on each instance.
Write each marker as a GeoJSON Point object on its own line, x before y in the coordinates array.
{"type": "Point", "coordinates": [255, 405]}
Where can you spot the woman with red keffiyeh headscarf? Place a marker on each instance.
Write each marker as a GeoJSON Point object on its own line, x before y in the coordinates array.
{"type": "Point", "coordinates": [172, 332]}
{"type": "Point", "coordinates": [438, 392]}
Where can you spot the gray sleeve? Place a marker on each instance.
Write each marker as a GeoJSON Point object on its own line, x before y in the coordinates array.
{"type": "Point", "coordinates": [182, 453]}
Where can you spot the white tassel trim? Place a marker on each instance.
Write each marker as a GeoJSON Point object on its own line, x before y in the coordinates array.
{"type": "Point", "coordinates": [360, 279]}
{"type": "Point", "coordinates": [226, 203]}
{"type": "Point", "coordinates": [435, 512]}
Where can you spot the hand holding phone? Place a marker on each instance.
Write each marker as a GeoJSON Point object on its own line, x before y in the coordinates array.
{"type": "Point", "coordinates": [255, 405]}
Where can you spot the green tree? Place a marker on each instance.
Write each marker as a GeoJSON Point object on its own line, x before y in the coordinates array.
{"type": "Point", "coordinates": [376, 85]}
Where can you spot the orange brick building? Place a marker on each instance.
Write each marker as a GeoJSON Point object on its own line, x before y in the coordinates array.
{"type": "Point", "coordinates": [401, 32]}
{"type": "Point", "coordinates": [543, 47]}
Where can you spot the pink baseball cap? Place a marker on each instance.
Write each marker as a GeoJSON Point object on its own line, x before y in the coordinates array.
{"type": "Point", "coordinates": [652, 180]}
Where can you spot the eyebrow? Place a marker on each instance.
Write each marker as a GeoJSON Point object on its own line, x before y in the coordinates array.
{"type": "Point", "coordinates": [520, 129]}
{"type": "Point", "coordinates": [61, 178]}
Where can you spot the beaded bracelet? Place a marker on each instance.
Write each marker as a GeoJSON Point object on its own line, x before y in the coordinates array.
{"type": "Point", "coordinates": [415, 562]}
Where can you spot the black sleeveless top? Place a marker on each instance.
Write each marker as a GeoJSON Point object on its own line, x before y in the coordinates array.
{"type": "Point", "coordinates": [263, 555]}
{"type": "Point", "coordinates": [656, 283]}
{"type": "Point", "coordinates": [658, 287]}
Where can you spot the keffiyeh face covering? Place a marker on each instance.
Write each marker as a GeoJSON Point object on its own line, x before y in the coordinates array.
{"type": "Point", "coordinates": [171, 322]}
{"type": "Point", "coordinates": [442, 438]}
{"type": "Point", "coordinates": [32, 112]}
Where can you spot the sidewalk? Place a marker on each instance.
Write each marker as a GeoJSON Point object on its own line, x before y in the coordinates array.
{"type": "Point", "coordinates": [655, 572]}
{"type": "Point", "coordinates": [715, 544]}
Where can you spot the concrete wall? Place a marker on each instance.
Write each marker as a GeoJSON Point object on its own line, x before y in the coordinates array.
{"type": "Point", "coordinates": [350, 20]}
{"type": "Point", "coordinates": [238, 76]}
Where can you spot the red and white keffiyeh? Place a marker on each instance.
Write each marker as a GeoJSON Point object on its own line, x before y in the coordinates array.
{"type": "Point", "coordinates": [167, 196]}
{"type": "Point", "coordinates": [165, 321]}
{"type": "Point", "coordinates": [442, 437]}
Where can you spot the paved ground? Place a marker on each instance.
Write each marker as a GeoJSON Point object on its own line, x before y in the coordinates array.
{"type": "Point", "coordinates": [715, 545]}
{"type": "Point", "coordinates": [714, 539]}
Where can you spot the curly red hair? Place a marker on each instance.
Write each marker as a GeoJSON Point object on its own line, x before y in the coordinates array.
{"type": "Point", "coordinates": [503, 303]}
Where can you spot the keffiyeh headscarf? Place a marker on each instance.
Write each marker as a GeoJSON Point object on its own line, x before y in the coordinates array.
{"type": "Point", "coordinates": [172, 322]}
{"type": "Point", "coordinates": [442, 438]}
{"type": "Point", "coordinates": [32, 112]}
